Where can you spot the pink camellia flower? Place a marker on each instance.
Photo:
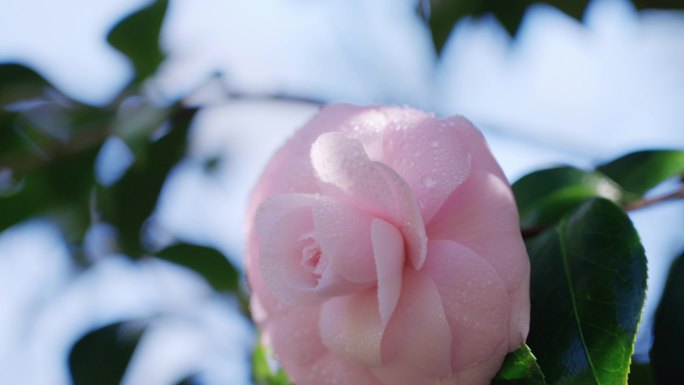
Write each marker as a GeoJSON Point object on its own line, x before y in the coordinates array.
{"type": "Point", "coordinates": [384, 249]}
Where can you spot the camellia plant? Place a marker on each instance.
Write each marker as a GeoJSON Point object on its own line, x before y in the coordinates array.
{"type": "Point", "coordinates": [384, 245]}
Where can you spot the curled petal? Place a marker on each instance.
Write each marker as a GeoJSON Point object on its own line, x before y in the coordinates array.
{"type": "Point", "coordinates": [348, 174]}
{"type": "Point", "coordinates": [388, 250]}
{"type": "Point", "coordinates": [283, 223]}
{"type": "Point", "coordinates": [344, 234]}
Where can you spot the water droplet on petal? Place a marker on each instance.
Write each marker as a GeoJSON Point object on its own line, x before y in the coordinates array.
{"type": "Point", "coordinates": [428, 182]}
{"type": "Point", "coordinates": [434, 144]}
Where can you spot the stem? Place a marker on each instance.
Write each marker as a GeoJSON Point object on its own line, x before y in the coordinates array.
{"type": "Point", "coordinates": [532, 231]}
{"type": "Point", "coordinates": [646, 202]}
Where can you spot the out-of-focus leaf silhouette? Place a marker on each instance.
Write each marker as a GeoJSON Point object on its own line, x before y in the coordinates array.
{"type": "Point", "coordinates": [20, 83]}
{"type": "Point", "coordinates": [444, 14]}
{"type": "Point", "coordinates": [102, 356]}
{"type": "Point", "coordinates": [137, 37]}
{"type": "Point", "coordinates": [129, 202]}
{"type": "Point", "coordinates": [208, 262]}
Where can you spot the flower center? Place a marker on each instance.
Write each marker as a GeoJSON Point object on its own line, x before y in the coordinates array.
{"type": "Point", "coordinates": [313, 260]}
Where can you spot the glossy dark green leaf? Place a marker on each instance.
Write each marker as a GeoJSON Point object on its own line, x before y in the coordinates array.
{"type": "Point", "coordinates": [20, 83]}
{"type": "Point", "coordinates": [137, 37]}
{"type": "Point", "coordinates": [102, 356]}
{"type": "Point", "coordinates": [640, 171]}
{"type": "Point", "coordinates": [668, 329]}
{"type": "Point", "coordinates": [520, 368]}
{"type": "Point", "coordinates": [545, 196]}
{"type": "Point", "coordinates": [444, 14]}
{"type": "Point", "coordinates": [587, 290]}
{"type": "Point", "coordinates": [641, 374]}
{"type": "Point", "coordinates": [208, 262]}
{"type": "Point", "coordinates": [128, 203]}
{"type": "Point", "coordinates": [261, 371]}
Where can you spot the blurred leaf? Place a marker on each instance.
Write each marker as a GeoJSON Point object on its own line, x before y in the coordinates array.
{"type": "Point", "coordinates": [640, 171]}
{"type": "Point", "coordinates": [208, 262]}
{"type": "Point", "coordinates": [60, 187]}
{"type": "Point", "coordinates": [137, 37]}
{"type": "Point", "coordinates": [20, 83]}
{"type": "Point", "coordinates": [640, 374]}
{"type": "Point", "coordinates": [668, 330]}
{"type": "Point", "coordinates": [261, 371]}
{"type": "Point", "coordinates": [444, 14]}
{"type": "Point", "coordinates": [659, 4]}
{"type": "Point", "coordinates": [520, 368]}
{"type": "Point", "coordinates": [190, 380]}
{"type": "Point", "coordinates": [544, 196]}
{"type": "Point", "coordinates": [102, 356]}
{"type": "Point", "coordinates": [130, 201]}
{"type": "Point", "coordinates": [587, 290]}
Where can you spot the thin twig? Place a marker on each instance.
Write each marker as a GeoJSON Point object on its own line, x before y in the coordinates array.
{"type": "Point", "coordinates": [529, 232]}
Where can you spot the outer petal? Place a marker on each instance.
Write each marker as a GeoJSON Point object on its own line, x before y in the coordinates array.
{"type": "Point", "coordinates": [296, 338]}
{"type": "Point", "coordinates": [474, 299]}
{"type": "Point", "coordinates": [431, 157]}
{"type": "Point", "coordinates": [331, 370]}
{"type": "Point", "coordinates": [352, 329]}
{"type": "Point", "coordinates": [481, 215]}
{"type": "Point", "coordinates": [388, 250]}
{"type": "Point", "coordinates": [416, 347]}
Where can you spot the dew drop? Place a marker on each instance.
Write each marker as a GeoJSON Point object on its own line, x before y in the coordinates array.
{"type": "Point", "coordinates": [434, 144]}
{"type": "Point", "coordinates": [428, 182]}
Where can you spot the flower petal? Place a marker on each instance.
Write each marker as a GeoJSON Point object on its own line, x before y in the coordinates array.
{"type": "Point", "coordinates": [481, 214]}
{"type": "Point", "coordinates": [430, 156]}
{"type": "Point", "coordinates": [352, 329]}
{"type": "Point", "coordinates": [388, 250]}
{"type": "Point", "coordinates": [416, 346]}
{"type": "Point", "coordinates": [344, 234]}
{"type": "Point", "coordinates": [474, 299]}
{"type": "Point", "coordinates": [349, 175]}
{"type": "Point", "coordinates": [332, 370]}
{"type": "Point", "coordinates": [281, 223]}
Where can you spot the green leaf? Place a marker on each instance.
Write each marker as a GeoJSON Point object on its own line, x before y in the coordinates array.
{"type": "Point", "coordinates": [206, 261]}
{"type": "Point", "coordinates": [102, 356]}
{"type": "Point", "coordinates": [587, 290]}
{"type": "Point", "coordinates": [668, 329]}
{"type": "Point", "coordinates": [261, 371]}
{"type": "Point", "coordinates": [137, 37]}
{"type": "Point", "coordinates": [641, 374]}
{"type": "Point", "coordinates": [58, 188]}
{"type": "Point", "coordinates": [545, 196]}
{"type": "Point", "coordinates": [444, 14]}
{"type": "Point", "coordinates": [128, 203]}
{"type": "Point", "coordinates": [520, 368]}
{"type": "Point", "coordinates": [640, 171]}
{"type": "Point", "coordinates": [659, 4]}
{"type": "Point", "coordinates": [20, 83]}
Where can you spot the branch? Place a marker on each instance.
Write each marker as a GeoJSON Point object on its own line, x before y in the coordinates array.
{"type": "Point", "coordinates": [532, 231]}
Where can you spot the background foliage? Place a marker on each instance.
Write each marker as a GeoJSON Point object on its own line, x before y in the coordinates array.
{"type": "Point", "coordinates": [589, 268]}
